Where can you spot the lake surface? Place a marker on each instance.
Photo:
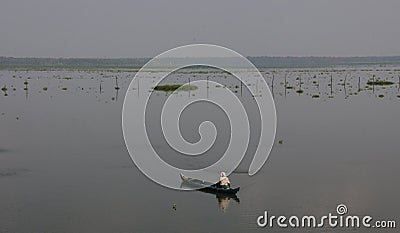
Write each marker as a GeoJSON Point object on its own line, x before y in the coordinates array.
{"type": "Point", "coordinates": [64, 166]}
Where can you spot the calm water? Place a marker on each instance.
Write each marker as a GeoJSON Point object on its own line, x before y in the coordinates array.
{"type": "Point", "coordinates": [64, 166]}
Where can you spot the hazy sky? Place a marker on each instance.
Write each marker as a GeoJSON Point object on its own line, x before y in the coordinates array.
{"type": "Point", "coordinates": [106, 28]}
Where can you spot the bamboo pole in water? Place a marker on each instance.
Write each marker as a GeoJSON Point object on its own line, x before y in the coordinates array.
{"type": "Point", "coordinates": [272, 86]}
{"type": "Point", "coordinates": [285, 85]}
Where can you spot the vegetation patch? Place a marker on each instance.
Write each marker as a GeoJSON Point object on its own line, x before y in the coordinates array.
{"type": "Point", "coordinates": [173, 87]}
{"type": "Point", "coordinates": [380, 83]}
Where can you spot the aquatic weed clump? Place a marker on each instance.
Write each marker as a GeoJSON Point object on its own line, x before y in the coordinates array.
{"type": "Point", "coordinates": [173, 87]}
{"type": "Point", "coordinates": [167, 88]}
{"type": "Point", "coordinates": [380, 83]}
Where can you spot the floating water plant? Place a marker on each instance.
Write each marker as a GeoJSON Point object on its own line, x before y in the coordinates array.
{"type": "Point", "coordinates": [315, 96]}
{"type": "Point", "coordinates": [280, 142]}
{"type": "Point", "coordinates": [116, 83]}
{"type": "Point", "coordinates": [300, 91]}
{"type": "Point", "coordinates": [44, 88]}
{"type": "Point", "coordinates": [173, 87]}
{"type": "Point", "coordinates": [64, 88]}
{"type": "Point", "coordinates": [380, 83]}
{"type": "Point", "coordinates": [4, 89]}
{"type": "Point", "coordinates": [381, 96]}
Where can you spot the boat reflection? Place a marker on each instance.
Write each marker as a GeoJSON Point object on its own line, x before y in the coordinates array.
{"type": "Point", "coordinates": [222, 198]}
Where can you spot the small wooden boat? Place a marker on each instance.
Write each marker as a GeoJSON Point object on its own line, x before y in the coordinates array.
{"type": "Point", "coordinates": [207, 186]}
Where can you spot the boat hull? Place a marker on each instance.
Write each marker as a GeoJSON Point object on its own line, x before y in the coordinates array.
{"type": "Point", "coordinates": [206, 186]}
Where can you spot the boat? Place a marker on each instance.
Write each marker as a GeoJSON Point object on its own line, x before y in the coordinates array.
{"type": "Point", "coordinates": [207, 186]}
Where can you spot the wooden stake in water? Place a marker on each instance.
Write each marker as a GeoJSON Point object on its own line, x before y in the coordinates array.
{"type": "Point", "coordinates": [300, 81]}
{"type": "Point", "coordinates": [300, 85]}
{"type": "Point", "coordinates": [373, 83]}
{"type": "Point", "coordinates": [285, 85]}
{"type": "Point", "coordinates": [26, 89]}
{"type": "Point", "coordinates": [272, 86]}
{"type": "Point", "coordinates": [138, 86]}
{"type": "Point", "coordinates": [241, 88]}
{"type": "Point", "coordinates": [116, 88]}
{"type": "Point", "coordinates": [207, 87]}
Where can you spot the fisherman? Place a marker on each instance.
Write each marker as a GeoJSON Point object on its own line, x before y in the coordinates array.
{"type": "Point", "coordinates": [224, 181]}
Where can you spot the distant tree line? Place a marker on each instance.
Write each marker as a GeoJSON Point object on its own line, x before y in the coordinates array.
{"type": "Point", "coordinates": [138, 62]}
